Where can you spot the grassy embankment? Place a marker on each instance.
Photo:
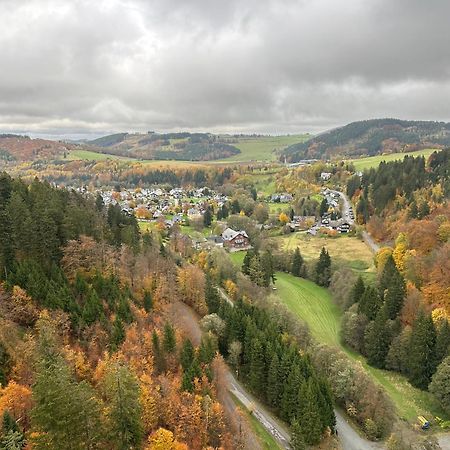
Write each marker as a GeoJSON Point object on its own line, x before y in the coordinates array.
{"type": "Point", "coordinates": [374, 161]}
{"type": "Point", "coordinates": [266, 440]}
{"type": "Point", "coordinates": [313, 304]}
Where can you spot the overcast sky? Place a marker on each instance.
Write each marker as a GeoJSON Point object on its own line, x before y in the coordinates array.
{"type": "Point", "coordinates": [77, 67]}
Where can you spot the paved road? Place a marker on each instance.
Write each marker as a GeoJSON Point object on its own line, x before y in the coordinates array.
{"type": "Point", "coordinates": [349, 438]}
{"type": "Point", "coordinates": [264, 417]}
{"type": "Point", "coordinates": [346, 205]}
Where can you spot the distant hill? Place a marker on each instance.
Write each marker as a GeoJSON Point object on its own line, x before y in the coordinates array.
{"type": "Point", "coordinates": [371, 137]}
{"type": "Point", "coordinates": [168, 146]}
{"type": "Point", "coordinates": [23, 148]}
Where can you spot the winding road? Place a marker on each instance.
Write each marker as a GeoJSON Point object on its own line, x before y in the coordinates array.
{"type": "Point", "coordinates": [348, 437]}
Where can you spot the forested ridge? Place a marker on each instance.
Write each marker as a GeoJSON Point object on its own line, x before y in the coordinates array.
{"type": "Point", "coordinates": [371, 137]}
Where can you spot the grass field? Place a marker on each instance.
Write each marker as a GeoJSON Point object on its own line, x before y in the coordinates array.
{"type": "Point", "coordinates": [345, 250]}
{"type": "Point", "coordinates": [313, 305]}
{"type": "Point", "coordinates": [87, 155]}
{"type": "Point", "coordinates": [374, 161]}
{"type": "Point", "coordinates": [261, 148]}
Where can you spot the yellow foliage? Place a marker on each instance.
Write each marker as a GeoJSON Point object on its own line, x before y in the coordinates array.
{"type": "Point", "coordinates": [381, 257]}
{"type": "Point", "coordinates": [16, 399]}
{"type": "Point", "coordinates": [163, 439]}
{"type": "Point", "coordinates": [231, 288]}
{"type": "Point", "coordinates": [283, 218]}
{"type": "Point", "coordinates": [439, 314]}
{"type": "Point", "coordinates": [444, 231]}
{"type": "Point", "coordinates": [400, 251]}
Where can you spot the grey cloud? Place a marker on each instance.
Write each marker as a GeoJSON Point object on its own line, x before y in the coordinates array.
{"type": "Point", "coordinates": [77, 66]}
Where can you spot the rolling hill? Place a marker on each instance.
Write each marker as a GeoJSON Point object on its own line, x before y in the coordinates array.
{"type": "Point", "coordinates": [23, 148]}
{"type": "Point", "coordinates": [371, 137]}
{"type": "Point", "coordinates": [169, 146]}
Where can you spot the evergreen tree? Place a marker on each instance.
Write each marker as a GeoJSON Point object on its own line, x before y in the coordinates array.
{"type": "Point", "coordinates": [148, 301]}
{"type": "Point", "coordinates": [124, 413]}
{"type": "Point", "coordinates": [256, 272]}
{"type": "Point", "coordinates": [207, 217]}
{"type": "Point", "coordinates": [377, 340]}
{"type": "Point", "coordinates": [442, 341]}
{"type": "Point", "coordinates": [66, 414]}
{"type": "Point", "coordinates": [297, 440]}
{"type": "Point", "coordinates": [169, 341]}
{"type": "Point", "coordinates": [211, 296]}
{"type": "Point", "coordinates": [323, 269]}
{"type": "Point", "coordinates": [422, 351]}
{"type": "Point", "coordinates": [160, 360]}
{"type": "Point", "coordinates": [247, 260]}
{"type": "Point", "coordinates": [310, 419]}
{"type": "Point", "coordinates": [357, 291]}
{"type": "Point", "coordinates": [394, 295]}
{"type": "Point", "coordinates": [290, 400]}
{"type": "Point", "coordinates": [256, 377]}
{"type": "Point", "coordinates": [187, 354]}
{"type": "Point", "coordinates": [273, 383]}
{"type": "Point", "coordinates": [267, 268]}
{"type": "Point", "coordinates": [389, 270]}
{"type": "Point", "coordinates": [207, 349]}
{"type": "Point", "coordinates": [117, 334]}
{"type": "Point", "coordinates": [291, 214]}
{"type": "Point", "coordinates": [92, 309]}
{"type": "Point", "coordinates": [297, 263]}
{"type": "Point", "coordinates": [323, 207]}
{"type": "Point", "coordinates": [5, 365]}
{"type": "Point", "coordinates": [370, 303]}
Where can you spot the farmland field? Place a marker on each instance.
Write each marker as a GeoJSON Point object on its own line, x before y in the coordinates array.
{"type": "Point", "coordinates": [262, 148]}
{"type": "Point", "coordinates": [313, 305]}
{"type": "Point", "coordinates": [374, 161]}
{"type": "Point", "coordinates": [346, 250]}
{"type": "Point", "coordinates": [87, 155]}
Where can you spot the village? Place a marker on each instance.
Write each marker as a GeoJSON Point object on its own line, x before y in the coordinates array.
{"type": "Point", "coordinates": [202, 214]}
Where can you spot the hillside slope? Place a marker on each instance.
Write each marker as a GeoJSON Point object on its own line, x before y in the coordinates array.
{"type": "Point", "coordinates": [169, 146]}
{"type": "Point", "coordinates": [23, 148]}
{"type": "Point", "coordinates": [371, 137]}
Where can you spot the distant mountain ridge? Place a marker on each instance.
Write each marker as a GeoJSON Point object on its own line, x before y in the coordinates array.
{"type": "Point", "coordinates": [371, 137]}
{"type": "Point", "coordinates": [181, 146]}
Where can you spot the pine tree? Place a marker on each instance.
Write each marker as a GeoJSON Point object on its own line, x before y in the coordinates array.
{"type": "Point", "coordinates": [323, 269]}
{"type": "Point", "coordinates": [370, 303]}
{"type": "Point", "coordinates": [117, 334]}
{"type": "Point", "coordinates": [422, 351]}
{"type": "Point", "coordinates": [256, 272]}
{"type": "Point", "coordinates": [256, 375]}
{"type": "Point", "coordinates": [357, 291]}
{"type": "Point", "coordinates": [273, 383]}
{"type": "Point", "coordinates": [66, 414]}
{"type": "Point", "coordinates": [148, 301]}
{"type": "Point", "coordinates": [267, 268]}
{"type": "Point", "coordinates": [187, 354]}
{"type": "Point", "coordinates": [323, 207]}
{"type": "Point", "coordinates": [394, 296]}
{"type": "Point", "coordinates": [247, 260]}
{"type": "Point", "coordinates": [289, 399]}
{"type": "Point", "coordinates": [169, 341]}
{"type": "Point", "coordinates": [160, 360]}
{"type": "Point", "coordinates": [297, 263]}
{"type": "Point", "coordinates": [377, 340]}
{"type": "Point", "coordinates": [92, 309]}
{"type": "Point", "coordinates": [388, 272]}
{"type": "Point", "coordinates": [442, 341]}
{"type": "Point", "coordinates": [207, 217]}
{"type": "Point", "coordinates": [297, 440]}
{"type": "Point", "coordinates": [310, 419]}
{"type": "Point", "coordinates": [122, 392]}
{"type": "Point", "coordinates": [211, 296]}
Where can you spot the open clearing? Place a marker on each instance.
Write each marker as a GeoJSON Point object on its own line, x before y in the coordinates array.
{"type": "Point", "coordinates": [313, 304]}
{"type": "Point", "coordinates": [344, 250]}
{"type": "Point", "coordinates": [374, 161]}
